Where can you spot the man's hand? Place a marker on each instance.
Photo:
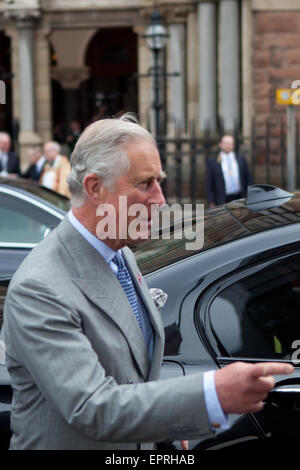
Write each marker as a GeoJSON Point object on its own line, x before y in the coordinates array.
{"type": "Point", "coordinates": [242, 387]}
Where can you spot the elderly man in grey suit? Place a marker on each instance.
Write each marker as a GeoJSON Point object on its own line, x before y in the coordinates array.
{"type": "Point", "coordinates": [84, 347]}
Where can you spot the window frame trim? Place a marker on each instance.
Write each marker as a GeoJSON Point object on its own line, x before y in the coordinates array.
{"type": "Point", "coordinates": [202, 311]}
{"type": "Point", "coordinates": [32, 201]}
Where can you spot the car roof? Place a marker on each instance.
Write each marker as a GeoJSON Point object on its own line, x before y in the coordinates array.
{"type": "Point", "coordinates": [222, 224]}
{"type": "Point", "coordinates": [265, 208]}
{"type": "Point", "coordinates": [37, 192]}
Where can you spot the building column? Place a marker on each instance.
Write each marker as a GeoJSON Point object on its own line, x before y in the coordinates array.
{"type": "Point", "coordinates": [192, 67]}
{"type": "Point", "coordinates": [28, 136]}
{"type": "Point", "coordinates": [247, 97]}
{"type": "Point", "coordinates": [43, 92]}
{"type": "Point", "coordinates": [177, 93]}
{"type": "Point", "coordinates": [207, 66]}
{"type": "Point", "coordinates": [229, 53]}
{"type": "Point", "coordinates": [26, 58]}
{"type": "Point", "coordinates": [25, 20]}
{"type": "Point", "coordinates": [143, 79]}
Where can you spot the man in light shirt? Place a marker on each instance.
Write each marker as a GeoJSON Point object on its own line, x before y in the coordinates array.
{"type": "Point", "coordinates": [55, 170]}
{"type": "Point", "coordinates": [227, 175]}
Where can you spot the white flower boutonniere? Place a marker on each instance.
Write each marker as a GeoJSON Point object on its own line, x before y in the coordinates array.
{"type": "Point", "coordinates": [159, 297]}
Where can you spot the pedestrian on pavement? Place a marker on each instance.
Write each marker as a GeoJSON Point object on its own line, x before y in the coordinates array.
{"type": "Point", "coordinates": [9, 160]}
{"type": "Point", "coordinates": [227, 174]}
{"type": "Point", "coordinates": [56, 169]}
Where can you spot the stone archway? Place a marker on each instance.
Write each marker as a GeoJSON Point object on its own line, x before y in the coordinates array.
{"type": "Point", "coordinates": [93, 73]}
{"type": "Point", "coordinates": [68, 72]}
{"type": "Point", "coordinates": [111, 57]}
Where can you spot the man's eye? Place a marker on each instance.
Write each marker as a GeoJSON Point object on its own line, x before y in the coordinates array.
{"type": "Point", "coordinates": [145, 184]}
{"type": "Point", "coordinates": [148, 183]}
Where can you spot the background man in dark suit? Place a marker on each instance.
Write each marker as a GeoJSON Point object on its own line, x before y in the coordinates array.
{"type": "Point", "coordinates": [9, 161]}
{"type": "Point", "coordinates": [227, 175]}
{"type": "Point", "coordinates": [37, 163]}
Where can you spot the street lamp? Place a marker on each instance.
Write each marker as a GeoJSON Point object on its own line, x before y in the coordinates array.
{"type": "Point", "coordinates": [156, 37]}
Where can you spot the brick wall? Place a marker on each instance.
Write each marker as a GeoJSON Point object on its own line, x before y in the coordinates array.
{"type": "Point", "coordinates": [276, 64]}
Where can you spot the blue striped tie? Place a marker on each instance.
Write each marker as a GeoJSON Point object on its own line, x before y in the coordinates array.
{"type": "Point", "coordinates": [127, 285]}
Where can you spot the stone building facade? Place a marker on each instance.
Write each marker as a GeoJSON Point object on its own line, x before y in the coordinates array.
{"type": "Point", "coordinates": [65, 60]}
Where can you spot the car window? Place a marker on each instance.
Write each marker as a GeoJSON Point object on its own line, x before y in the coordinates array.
{"type": "Point", "coordinates": [259, 316]}
{"type": "Point", "coordinates": [23, 223]}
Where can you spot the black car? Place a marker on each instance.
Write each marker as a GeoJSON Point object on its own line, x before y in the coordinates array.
{"type": "Point", "coordinates": [236, 298]}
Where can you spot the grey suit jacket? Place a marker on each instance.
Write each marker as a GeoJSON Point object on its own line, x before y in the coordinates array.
{"type": "Point", "coordinates": [79, 366]}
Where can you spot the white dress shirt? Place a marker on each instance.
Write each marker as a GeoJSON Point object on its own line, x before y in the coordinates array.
{"type": "Point", "coordinates": [4, 162]}
{"type": "Point", "coordinates": [231, 173]}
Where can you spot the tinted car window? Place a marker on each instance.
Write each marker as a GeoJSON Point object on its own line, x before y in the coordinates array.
{"type": "Point", "coordinates": [21, 222]}
{"type": "Point", "coordinates": [221, 225]}
{"type": "Point", "coordinates": [219, 228]}
{"type": "Point", "coordinates": [259, 316]}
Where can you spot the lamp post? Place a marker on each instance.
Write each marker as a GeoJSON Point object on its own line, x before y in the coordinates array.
{"type": "Point", "coordinates": [156, 37]}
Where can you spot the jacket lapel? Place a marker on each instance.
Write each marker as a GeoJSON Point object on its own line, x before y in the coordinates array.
{"type": "Point", "coordinates": [220, 175]}
{"type": "Point", "coordinates": [99, 284]}
{"type": "Point", "coordinates": [154, 315]}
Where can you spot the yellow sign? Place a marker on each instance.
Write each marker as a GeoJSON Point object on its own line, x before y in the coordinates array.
{"type": "Point", "coordinates": [288, 96]}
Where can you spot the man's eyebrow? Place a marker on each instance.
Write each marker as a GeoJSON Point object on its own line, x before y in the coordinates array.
{"type": "Point", "coordinates": [162, 175]}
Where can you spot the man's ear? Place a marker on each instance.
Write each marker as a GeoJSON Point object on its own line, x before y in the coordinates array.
{"type": "Point", "coordinates": [93, 188]}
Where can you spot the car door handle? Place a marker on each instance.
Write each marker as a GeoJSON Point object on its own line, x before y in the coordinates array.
{"type": "Point", "coordinates": [287, 396]}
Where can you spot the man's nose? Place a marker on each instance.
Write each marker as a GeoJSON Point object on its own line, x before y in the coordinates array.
{"type": "Point", "coordinates": [157, 196]}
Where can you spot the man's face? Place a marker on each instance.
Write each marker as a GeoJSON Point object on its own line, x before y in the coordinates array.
{"type": "Point", "coordinates": [5, 143]}
{"type": "Point", "coordinates": [227, 144]}
{"type": "Point", "coordinates": [141, 185]}
{"type": "Point", "coordinates": [50, 152]}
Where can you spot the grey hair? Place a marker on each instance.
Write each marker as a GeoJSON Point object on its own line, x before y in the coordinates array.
{"type": "Point", "coordinates": [100, 150]}
{"type": "Point", "coordinates": [54, 145]}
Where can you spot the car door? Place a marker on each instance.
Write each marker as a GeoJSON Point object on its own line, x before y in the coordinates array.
{"type": "Point", "coordinates": [253, 314]}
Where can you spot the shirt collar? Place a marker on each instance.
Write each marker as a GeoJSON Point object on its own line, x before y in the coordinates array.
{"type": "Point", "coordinates": [225, 156]}
{"type": "Point", "coordinates": [104, 250]}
